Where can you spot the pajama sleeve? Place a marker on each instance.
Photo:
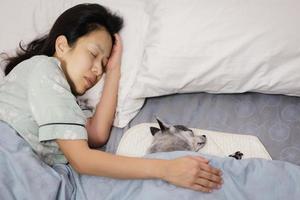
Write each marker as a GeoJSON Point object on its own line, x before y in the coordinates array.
{"type": "Point", "coordinates": [53, 105]}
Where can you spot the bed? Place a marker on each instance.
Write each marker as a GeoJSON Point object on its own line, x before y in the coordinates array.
{"type": "Point", "coordinates": [235, 71]}
{"type": "Point", "coordinates": [24, 176]}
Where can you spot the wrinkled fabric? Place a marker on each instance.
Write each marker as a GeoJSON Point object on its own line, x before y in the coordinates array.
{"type": "Point", "coordinates": [24, 176]}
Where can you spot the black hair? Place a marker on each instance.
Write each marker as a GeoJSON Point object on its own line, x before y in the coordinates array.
{"type": "Point", "coordinates": [74, 23]}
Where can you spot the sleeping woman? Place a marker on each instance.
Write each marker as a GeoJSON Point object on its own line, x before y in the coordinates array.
{"type": "Point", "coordinates": [38, 101]}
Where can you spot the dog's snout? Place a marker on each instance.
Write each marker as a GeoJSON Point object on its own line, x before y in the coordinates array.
{"type": "Point", "coordinates": [204, 136]}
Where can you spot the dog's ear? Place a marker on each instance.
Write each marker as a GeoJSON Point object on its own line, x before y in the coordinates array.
{"type": "Point", "coordinates": [154, 130]}
{"type": "Point", "coordinates": [163, 126]}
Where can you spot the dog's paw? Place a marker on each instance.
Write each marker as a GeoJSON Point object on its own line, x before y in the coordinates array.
{"type": "Point", "coordinates": [237, 155]}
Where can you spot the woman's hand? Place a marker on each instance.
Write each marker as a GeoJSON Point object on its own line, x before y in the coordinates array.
{"type": "Point", "coordinates": [193, 172]}
{"type": "Point", "coordinates": [114, 61]}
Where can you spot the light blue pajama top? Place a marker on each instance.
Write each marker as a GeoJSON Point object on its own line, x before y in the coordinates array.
{"type": "Point", "coordinates": [36, 100]}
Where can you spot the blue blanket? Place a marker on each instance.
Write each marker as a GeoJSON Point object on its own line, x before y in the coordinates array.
{"type": "Point", "coordinates": [24, 176]}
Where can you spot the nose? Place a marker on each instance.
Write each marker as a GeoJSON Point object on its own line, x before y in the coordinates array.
{"type": "Point", "coordinates": [97, 69]}
{"type": "Point", "coordinates": [204, 136]}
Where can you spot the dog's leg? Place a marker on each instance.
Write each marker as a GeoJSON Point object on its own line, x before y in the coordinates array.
{"type": "Point", "coordinates": [237, 155]}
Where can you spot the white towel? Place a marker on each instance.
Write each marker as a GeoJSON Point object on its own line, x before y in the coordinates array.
{"type": "Point", "coordinates": [137, 139]}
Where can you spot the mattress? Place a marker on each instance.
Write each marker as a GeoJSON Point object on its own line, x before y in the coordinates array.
{"type": "Point", "coordinates": [273, 119]}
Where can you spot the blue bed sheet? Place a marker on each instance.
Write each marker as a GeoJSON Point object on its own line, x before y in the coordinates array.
{"type": "Point", "coordinates": [24, 176]}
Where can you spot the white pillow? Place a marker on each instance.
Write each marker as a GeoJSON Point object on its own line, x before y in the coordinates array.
{"type": "Point", "coordinates": [221, 47]}
{"type": "Point", "coordinates": [36, 17]}
{"type": "Point", "coordinates": [137, 140]}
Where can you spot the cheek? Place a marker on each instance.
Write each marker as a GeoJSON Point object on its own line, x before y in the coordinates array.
{"type": "Point", "coordinates": [81, 67]}
{"type": "Point", "coordinates": [84, 63]}
{"type": "Point", "coordinates": [78, 71]}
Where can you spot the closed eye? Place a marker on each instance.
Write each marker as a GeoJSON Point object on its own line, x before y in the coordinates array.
{"type": "Point", "coordinates": [93, 54]}
{"type": "Point", "coordinates": [191, 133]}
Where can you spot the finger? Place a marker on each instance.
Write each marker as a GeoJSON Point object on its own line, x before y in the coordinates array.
{"type": "Point", "coordinates": [210, 169]}
{"type": "Point", "coordinates": [207, 184]}
{"type": "Point", "coordinates": [211, 177]}
{"type": "Point", "coordinates": [117, 39]}
{"type": "Point", "coordinates": [117, 36]}
{"type": "Point", "coordinates": [201, 188]}
{"type": "Point", "coordinates": [117, 47]}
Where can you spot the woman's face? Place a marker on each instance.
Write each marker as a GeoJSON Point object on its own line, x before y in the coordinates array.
{"type": "Point", "coordinates": [84, 63]}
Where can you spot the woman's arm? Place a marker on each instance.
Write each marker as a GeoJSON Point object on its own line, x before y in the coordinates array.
{"type": "Point", "coordinates": [189, 172]}
{"type": "Point", "coordinates": [99, 126]}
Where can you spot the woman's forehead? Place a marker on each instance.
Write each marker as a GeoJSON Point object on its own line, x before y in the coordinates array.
{"type": "Point", "coordinates": [99, 39]}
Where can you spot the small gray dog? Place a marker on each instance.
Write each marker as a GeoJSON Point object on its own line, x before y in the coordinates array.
{"type": "Point", "coordinates": [178, 138]}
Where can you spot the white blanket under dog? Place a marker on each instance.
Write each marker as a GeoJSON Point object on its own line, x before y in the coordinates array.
{"type": "Point", "coordinates": [137, 139]}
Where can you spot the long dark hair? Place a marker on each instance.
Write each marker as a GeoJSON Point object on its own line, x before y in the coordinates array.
{"type": "Point", "coordinates": [73, 23]}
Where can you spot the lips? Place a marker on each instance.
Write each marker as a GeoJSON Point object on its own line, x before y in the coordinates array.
{"type": "Point", "coordinates": [90, 82]}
